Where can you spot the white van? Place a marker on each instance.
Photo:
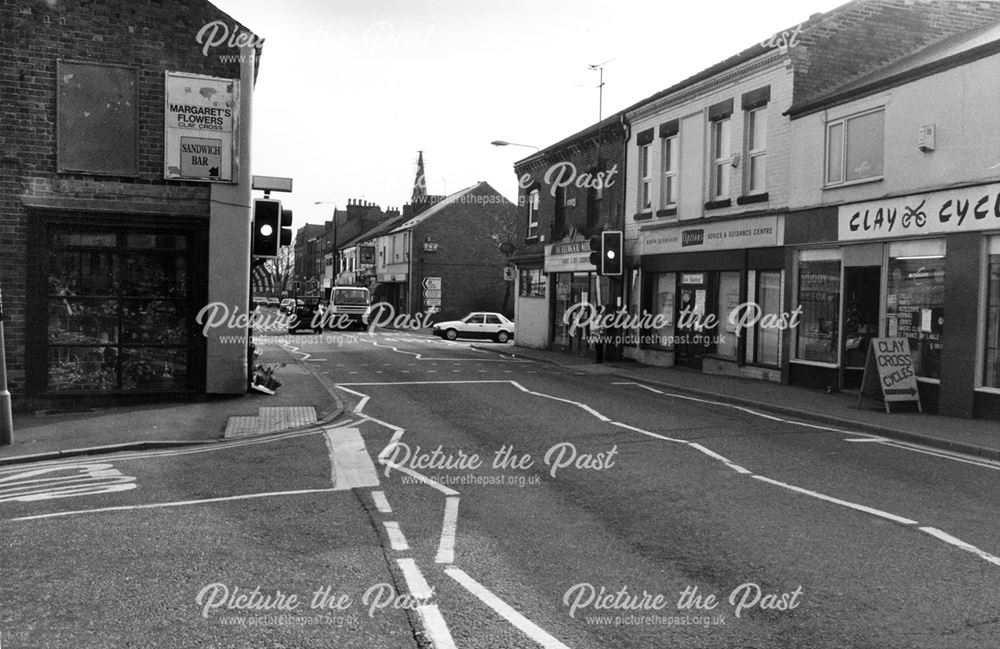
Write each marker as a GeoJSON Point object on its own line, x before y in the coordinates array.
{"type": "Point", "coordinates": [349, 306]}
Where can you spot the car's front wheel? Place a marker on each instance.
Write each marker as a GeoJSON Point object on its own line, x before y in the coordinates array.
{"type": "Point", "coordinates": [503, 337]}
{"type": "Point", "coordinates": [451, 334]}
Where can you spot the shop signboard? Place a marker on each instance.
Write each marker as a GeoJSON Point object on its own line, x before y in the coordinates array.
{"type": "Point", "coordinates": [568, 257]}
{"type": "Point", "coordinates": [756, 232]}
{"type": "Point", "coordinates": [200, 122]}
{"type": "Point", "coordinates": [889, 372]}
{"type": "Point", "coordinates": [963, 209]}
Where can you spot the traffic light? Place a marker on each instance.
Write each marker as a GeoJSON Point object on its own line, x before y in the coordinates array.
{"type": "Point", "coordinates": [595, 252]}
{"type": "Point", "coordinates": [286, 228]}
{"type": "Point", "coordinates": [611, 252]}
{"type": "Point", "coordinates": [267, 221]}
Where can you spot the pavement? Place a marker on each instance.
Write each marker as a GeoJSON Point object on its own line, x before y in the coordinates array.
{"type": "Point", "coordinates": [980, 437]}
{"type": "Point", "coordinates": [42, 436]}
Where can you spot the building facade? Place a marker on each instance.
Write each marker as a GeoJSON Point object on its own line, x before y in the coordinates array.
{"type": "Point", "coordinates": [895, 228]}
{"type": "Point", "coordinates": [728, 206]}
{"type": "Point", "coordinates": [122, 197]}
{"type": "Point", "coordinates": [446, 259]}
{"type": "Point", "coordinates": [568, 193]}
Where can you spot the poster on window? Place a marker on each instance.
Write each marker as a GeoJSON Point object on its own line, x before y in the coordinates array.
{"type": "Point", "coordinates": [201, 120]}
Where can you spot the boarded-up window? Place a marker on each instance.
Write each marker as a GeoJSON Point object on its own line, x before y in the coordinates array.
{"type": "Point", "coordinates": [97, 126]}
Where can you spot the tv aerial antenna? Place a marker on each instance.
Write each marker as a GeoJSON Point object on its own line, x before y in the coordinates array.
{"type": "Point", "coordinates": [600, 87]}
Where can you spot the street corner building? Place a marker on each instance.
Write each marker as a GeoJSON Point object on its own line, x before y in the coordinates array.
{"type": "Point", "coordinates": [124, 163]}
{"type": "Point", "coordinates": [834, 183]}
{"type": "Point", "coordinates": [444, 256]}
{"type": "Point", "coordinates": [569, 192]}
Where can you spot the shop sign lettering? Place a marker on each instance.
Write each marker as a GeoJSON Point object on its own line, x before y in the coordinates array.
{"type": "Point", "coordinates": [958, 210]}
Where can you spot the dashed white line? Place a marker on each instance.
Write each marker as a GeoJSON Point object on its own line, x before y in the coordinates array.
{"type": "Point", "coordinates": [415, 581]}
{"type": "Point", "coordinates": [843, 503]}
{"type": "Point", "coordinates": [396, 539]}
{"type": "Point", "coordinates": [381, 502]}
{"type": "Point", "coordinates": [446, 547]}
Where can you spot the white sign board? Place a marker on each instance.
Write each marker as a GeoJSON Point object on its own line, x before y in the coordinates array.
{"type": "Point", "coordinates": [433, 283]}
{"type": "Point", "coordinates": [964, 209]}
{"type": "Point", "coordinates": [758, 232]}
{"type": "Point", "coordinates": [567, 257]}
{"type": "Point", "coordinates": [200, 127]}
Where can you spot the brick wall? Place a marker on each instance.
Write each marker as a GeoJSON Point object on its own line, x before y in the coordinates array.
{"type": "Point", "coordinates": [152, 37]}
{"type": "Point", "coordinates": [467, 260]}
{"type": "Point", "coordinates": [585, 151]}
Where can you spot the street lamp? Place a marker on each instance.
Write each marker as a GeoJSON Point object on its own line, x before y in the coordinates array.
{"type": "Point", "coordinates": [506, 143]}
{"type": "Point", "coordinates": [336, 249]}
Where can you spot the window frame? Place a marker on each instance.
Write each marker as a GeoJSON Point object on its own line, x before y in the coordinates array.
{"type": "Point", "coordinates": [533, 204]}
{"type": "Point", "coordinates": [844, 123]}
{"type": "Point", "coordinates": [719, 184]}
{"type": "Point", "coordinates": [645, 196]}
{"type": "Point", "coordinates": [671, 172]}
{"type": "Point", "coordinates": [753, 152]}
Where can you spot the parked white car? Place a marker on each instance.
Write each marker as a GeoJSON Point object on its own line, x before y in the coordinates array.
{"type": "Point", "coordinates": [478, 324]}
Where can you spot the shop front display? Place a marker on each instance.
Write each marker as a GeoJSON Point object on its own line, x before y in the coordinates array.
{"type": "Point", "coordinates": [117, 306]}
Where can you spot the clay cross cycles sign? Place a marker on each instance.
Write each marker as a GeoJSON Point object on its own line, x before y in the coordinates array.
{"type": "Point", "coordinates": [889, 371]}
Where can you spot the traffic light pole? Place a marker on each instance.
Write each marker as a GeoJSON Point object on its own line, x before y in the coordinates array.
{"type": "Point", "coordinates": [6, 418]}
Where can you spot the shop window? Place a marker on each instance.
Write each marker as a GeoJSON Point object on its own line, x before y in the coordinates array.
{"type": "Point", "coordinates": [532, 283]}
{"type": "Point", "coordinates": [818, 334]}
{"type": "Point", "coordinates": [915, 301]}
{"type": "Point", "coordinates": [991, 364]}
{"type": "Point", "coordinates": [117, 311]}
{"type": "Point", "coordinates": [661, 303]}
{"type": "Point", "coordinates": [854, 148]}
{"type": "Point", "coordinates": [764, 343]}
{"type": "Point", "coordinates": [729, 300]}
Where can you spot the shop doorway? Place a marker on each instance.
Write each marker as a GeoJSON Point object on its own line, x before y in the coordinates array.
{"type": "Point", "coordinates": [692, 296]}
{"type": "Point", "coordinates": [862, 296]}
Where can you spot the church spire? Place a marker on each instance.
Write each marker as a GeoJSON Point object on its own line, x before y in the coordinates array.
{"type": "Point", "coordinates": [420, 182]}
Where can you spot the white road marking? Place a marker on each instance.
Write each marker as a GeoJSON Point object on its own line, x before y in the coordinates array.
{"type": "Point", "coordinates": [71, 479]}
{"type": "Point", "coordinates": [712, 454]}
{"type": "Point", "coordinates": [446, 547]}
{"type": "Point", "coordinates": [437, 629]}
{"type": "Point", "coordinates": [350, 464]}
{"type": "Point", "coordinates": [381, 502]}
{"type": "Point", "coordinates": [504, 610]}
{"type": "Point", "coordinates": [396, 539]}
{"type": "Point", "coordinates": [415, 581]}
{"type": "Point", "coordinates": [843, 503]}
{"type": "Point", "coordinates": [866, 439]}
{"type": "Point", "coordinates": [583, 406]}
{"type": "Point", "coordinates": [948, 538]}
{"type": "Point", "coordinates": [179, 503]}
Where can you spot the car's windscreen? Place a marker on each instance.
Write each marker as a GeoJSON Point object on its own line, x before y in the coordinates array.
{"type": "Point", "coordinates": [359, 298]}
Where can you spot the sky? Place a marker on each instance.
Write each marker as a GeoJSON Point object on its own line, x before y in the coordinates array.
{"type": "Point", "coordinates": [349, 90]}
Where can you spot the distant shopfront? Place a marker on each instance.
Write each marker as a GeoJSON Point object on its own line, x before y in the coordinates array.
{"type": "Point", "coordinates": [573, 281]}
{"type": "Point", "coordinates": [924, 267]}
{"type": "Point", "coordinates": [695, 276]}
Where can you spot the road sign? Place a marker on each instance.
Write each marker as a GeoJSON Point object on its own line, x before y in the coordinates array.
{"type": "Point", "coordinates": [433, 301]}
{"type": "Point", "coordinates": [889, 371]}
{"type": "Point", "coordinates": [432, 292]}
{"type": "Point", "coordinates": [432, 283]}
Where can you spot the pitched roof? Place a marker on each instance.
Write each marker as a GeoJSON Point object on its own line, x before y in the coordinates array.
{"type": "Point", "coordinates": [381, 228]}
{"type": "Point", "coordinates": [593, 129]}
{"type": "Point", "coordinates": [853, 40]}
{"type": "Point", "coordinates": [955, 50]}
{"type": "Point", "coordinates": [440, 206]}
